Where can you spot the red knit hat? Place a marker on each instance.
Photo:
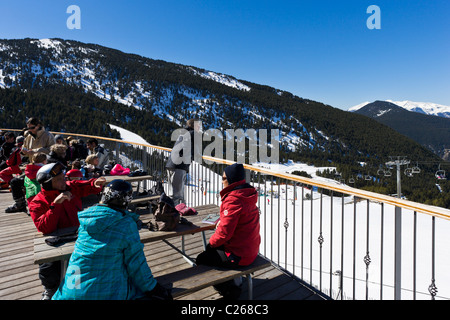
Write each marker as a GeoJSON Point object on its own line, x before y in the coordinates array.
{"type": "Point", "coordinates": [74, 173]}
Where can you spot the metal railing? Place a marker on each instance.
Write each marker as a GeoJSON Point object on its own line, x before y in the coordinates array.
{"type": "Point", "coordinates": [346, 242]}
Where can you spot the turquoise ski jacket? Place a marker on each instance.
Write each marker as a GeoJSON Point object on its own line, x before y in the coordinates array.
{"type": "Point", "coordinates": [108, 262]}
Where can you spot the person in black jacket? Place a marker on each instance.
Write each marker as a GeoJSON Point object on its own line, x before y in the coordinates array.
{"type": "Point", "coordinates": [6, 149]}
{"type": "Point", "coordinates": [178, 164]}
{"type": "Point", "coordinates": [80, 151]}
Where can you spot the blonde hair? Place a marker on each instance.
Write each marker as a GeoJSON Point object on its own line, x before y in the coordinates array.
{"type": "Point", "coordinates": [59, 149]}
{"type": "Point", "coordinates": [39, 157]}
{"type": "Point", "coordinates": [90, 159]}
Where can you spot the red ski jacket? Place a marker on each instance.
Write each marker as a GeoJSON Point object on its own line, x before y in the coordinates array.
{"type": "Point", "coordinates": [31, 170]}
{"type": "Point", "coordinates": [238, 227]}
{"type": "Point", "coordinates": [15, 158]}
{"type": "Point", "coordinates": [48, 216]}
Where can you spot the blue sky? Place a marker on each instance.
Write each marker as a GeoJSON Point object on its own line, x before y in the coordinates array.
{"type": "Point", "coordinates": [319, 50]}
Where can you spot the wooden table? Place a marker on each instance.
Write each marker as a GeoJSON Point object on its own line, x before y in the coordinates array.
{"type": "Point", "coordinates": [127, 178]}
{"type": "Point", "coordinates": [137, 179]}
{"type": "Point", "coordinates": [45, 253]}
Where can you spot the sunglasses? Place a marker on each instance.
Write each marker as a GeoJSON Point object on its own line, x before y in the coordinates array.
{"type": "Point", "coordinates": [31, 128]}
{"type": "Point", "coordinates": [224, 178]}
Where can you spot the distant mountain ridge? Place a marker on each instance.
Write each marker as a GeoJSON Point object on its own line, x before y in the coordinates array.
{"type": "Point", "coordinates": [430, 131]}
{"type": "Point", "coordinates": [176, 93]}
{"type": "Point", "coordinates": [428, 108]}
{"type": "Point", "coordinates": [87, 88]}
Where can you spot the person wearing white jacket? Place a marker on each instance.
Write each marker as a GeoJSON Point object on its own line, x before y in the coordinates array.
{"type": "Point", "coordinates": [95, 149]}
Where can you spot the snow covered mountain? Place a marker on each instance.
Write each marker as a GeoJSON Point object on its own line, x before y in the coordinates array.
{"type": "Point", "coordinates": [141, 83]}
{"type": "Point", "coordinates": [175, 93]}
{"type": "Point", "coordinates": [428, 108]}
{"type": "Point", "coordinates": [430, 131]}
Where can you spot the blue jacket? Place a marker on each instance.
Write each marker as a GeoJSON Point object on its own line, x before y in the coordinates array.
{"type": "Point", "coordinates": [108, 262]}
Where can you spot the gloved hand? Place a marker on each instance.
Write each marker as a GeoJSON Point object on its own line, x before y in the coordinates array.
{"type": "Point", "coordinates": [159, 293]}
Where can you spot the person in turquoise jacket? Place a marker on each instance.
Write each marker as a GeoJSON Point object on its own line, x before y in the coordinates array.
{"type": "Point", "coordinates": [108, 262]}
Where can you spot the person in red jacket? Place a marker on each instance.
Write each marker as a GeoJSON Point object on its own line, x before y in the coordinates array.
{"type": "Point", "coordinates": [22, 196]}
{"type": "Point", "coordinates": [236, 239]}
{"type": "Point", "coordinates": [56, 206]}
{"type": "Point", "coordinates": [13, 163]}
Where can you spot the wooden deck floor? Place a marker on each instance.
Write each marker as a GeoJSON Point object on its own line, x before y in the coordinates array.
{"type": "Point", "coordinates": [19, 276]}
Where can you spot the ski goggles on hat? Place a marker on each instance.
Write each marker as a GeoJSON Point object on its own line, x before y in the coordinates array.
{"type": "Point", "coordinates": [57, 169]}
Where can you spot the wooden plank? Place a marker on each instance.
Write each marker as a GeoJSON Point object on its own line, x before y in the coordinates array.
{"type": "Point", "coordinates": [17, 291]}
{"type": "Point", "coordinates": [15, 238]}
{"type": "Point", "coordinates": [25, 277]}
{"type": "Point", "coordinates": [144, 199]}
{"type": "Point", "coordinates": [258, 277]}
{"type": "Point", "coordinates": [18, 273]}
{"type": "Point", "coordinates": [31, 294]}
{"type": "Point", "coordinates": [199, 277]}
{"type": "Point", "coordinates": [282, 289]}
{"type": "Point", "coordinates": [9, 249]}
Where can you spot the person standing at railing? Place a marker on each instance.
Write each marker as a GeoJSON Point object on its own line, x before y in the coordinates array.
{"type": "Point", "coordinates": [236, 239]}
{"type": "Point", "coordinates": [177, 167]}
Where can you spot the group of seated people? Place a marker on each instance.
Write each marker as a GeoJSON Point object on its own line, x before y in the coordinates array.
{"type": "Point", "coordinates": [121, 270]}
{"type": "Point", "coordinates": [23, 155]}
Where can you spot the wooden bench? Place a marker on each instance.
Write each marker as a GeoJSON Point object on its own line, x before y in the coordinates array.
{"type": "Point", "coordinates": [199, 277]}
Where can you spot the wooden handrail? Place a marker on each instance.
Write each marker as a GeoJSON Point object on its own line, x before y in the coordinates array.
{"type": "Point", "coordinates": [101, 138]}
{"type": "Point", "coordinates": [427, 209]}
{"type": "Point", "coordinates": [410, 205]}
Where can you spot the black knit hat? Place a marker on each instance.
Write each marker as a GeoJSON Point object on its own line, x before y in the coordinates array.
{"type": "Point", "coordinates": [235, 173]}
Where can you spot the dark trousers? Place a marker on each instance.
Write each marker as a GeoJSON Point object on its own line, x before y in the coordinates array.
{"type": "Point", "coordinates": [216, 257]}
{"type": "Point", "coordinates": [3, 165]}
{"type": "Point", "coordinates": [50, 274]}
{"type": "Point", "coordinates": [17, 187]}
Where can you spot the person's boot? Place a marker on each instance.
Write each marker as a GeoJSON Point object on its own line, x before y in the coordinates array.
{"type": "Point", "coordinates": [19, 206]}
{"type": "Point", "coordinates": [48, 294]}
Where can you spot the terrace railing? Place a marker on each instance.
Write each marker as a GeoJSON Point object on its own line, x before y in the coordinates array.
{"type": "Point", "coordinates": [345, 242]}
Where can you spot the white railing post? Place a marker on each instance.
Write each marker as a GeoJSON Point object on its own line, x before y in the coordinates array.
{"type": "Point", "coordinates": [398, 254]}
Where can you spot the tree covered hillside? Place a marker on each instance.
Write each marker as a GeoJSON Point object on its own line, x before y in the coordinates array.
{"type": "Point", "coordinates": [78, 87]}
